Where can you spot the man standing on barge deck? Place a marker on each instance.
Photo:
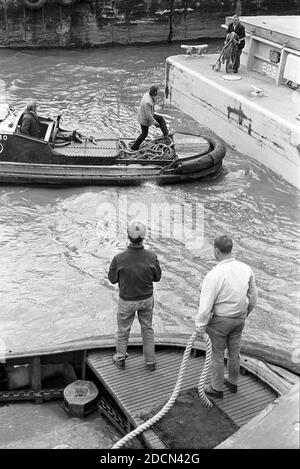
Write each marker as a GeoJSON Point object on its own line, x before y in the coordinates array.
{"type": "Point", "coordinates": [228, 295]}
{"type": "Point", "coordinates": [239, 30]}
{"type": "Point", "coordinates": [135, 270]}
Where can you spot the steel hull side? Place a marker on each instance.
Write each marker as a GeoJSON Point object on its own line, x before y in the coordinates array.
{"type": "Point", "coordinates": [23, 173]}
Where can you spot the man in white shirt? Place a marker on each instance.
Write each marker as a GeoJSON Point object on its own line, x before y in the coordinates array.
{"type": "Point", "coordinates": [228, 295]}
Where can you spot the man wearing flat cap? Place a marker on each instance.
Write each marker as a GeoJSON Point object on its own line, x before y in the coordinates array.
{"type": "Point", "coordinates": [135, 270]}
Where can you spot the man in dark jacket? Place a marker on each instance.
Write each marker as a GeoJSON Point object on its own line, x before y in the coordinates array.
{"type": "Point", "coordinates": [135, 270]}
{"type": "Point", "coordinates": [239, 30]}
{"type": "Point", "coordinates": [30, 124]}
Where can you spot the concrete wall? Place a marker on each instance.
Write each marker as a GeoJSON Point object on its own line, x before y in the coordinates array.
{"type": "Point", "coordinates": [84, 23]}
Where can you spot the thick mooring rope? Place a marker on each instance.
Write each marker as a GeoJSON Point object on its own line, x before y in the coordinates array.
{"type": "Point", "coordinates": [228, 51]}
{"type": "Point", "coordinates": [203, 375]}
{"type": "Point", "coordinates": [176, 390]}
{"type": "Point", "coordinates": [158, 149]}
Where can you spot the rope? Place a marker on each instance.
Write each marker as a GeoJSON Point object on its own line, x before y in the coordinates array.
{"type": "Point", "coordinates": [229, 50]}
{"type": "Point", "coordinates": [160, 148]}
{"type": "Point", "coordinates": [203, 375]}
{"type": "Point", "coordinates": [176, 390]}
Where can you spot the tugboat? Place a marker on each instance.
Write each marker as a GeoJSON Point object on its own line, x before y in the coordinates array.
{"type": "Point", "coordinates": [67, 157]}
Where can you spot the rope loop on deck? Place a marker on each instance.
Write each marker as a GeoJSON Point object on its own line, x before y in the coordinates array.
{"type": "Point", "coordinates": [158, 149]}
{"type": "Point", "coordinates": [203, 375]}
{"type": "Point", "coordinates": [176, 390]}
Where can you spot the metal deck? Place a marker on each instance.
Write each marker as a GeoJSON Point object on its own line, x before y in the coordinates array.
{"type": "Point", "coordinates": [96, 148]}
{"type": "Point", "coordinates": [137, 390]}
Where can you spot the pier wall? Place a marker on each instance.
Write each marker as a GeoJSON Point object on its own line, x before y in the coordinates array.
{"type": "Point", "coordinates": [90, 23]}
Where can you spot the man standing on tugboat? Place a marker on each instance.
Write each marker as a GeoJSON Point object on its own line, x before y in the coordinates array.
{"type": "Point", "coordinates": [239, 30]}
{"type": "Point", "coordinates": [146, 117]}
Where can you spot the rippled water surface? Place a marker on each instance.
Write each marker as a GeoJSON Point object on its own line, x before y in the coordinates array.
{"type": "Point", "coordinates": [56, 243]}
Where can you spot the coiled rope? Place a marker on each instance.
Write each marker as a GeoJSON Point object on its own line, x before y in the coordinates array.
{"type": "Point", "coordinates": [176, 390]}
{"type": "Point", "coordinates": [228, 52]}
{"type": "Point", "coordinates": [158, 149]}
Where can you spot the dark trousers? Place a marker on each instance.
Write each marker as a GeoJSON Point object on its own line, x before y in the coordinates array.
{"type": "Point", "coordinates": [145, 130]}
{"type": "Point", "coordinates": [225, 332]}
{"type": "Point", "coordinates": [237, 58]}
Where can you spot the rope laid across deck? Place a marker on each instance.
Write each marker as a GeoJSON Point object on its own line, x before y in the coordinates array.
{"type": "Point", "coordinates": [158, 149]}
{"type": "Point", "coordinates": [176, 390]}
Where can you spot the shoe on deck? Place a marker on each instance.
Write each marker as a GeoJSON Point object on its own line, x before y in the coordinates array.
{"type": "Point", "coordinates": [151, 366]}
{"type": "Point", "coordinates": [210, 391]}
{"type": "Point", "coordinates": [130, 145]}
{"type": "Point", "coordinates": [232, 387]}
{"type": "Point", "coordinates": [119, 362]}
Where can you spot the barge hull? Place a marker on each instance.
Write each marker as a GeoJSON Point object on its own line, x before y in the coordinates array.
{"type": "Point", "coordinates": [264, 128]}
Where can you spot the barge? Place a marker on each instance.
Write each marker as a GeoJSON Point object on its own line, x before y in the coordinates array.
{"type": "Point", "coordinates": [256, 111]}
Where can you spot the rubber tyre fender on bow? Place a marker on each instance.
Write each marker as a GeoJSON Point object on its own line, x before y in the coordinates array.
{"type": "Point", "coordinates": [34, 4]}
{"type": "Point", "coordinates": [206, 161]}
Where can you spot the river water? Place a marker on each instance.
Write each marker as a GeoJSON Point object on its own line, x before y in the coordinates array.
{"type": "Point", "coordinates": [56, 243]}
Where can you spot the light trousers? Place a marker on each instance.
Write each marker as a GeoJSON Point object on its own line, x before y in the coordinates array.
{"type": "Point", "coordinates": [125, 318]}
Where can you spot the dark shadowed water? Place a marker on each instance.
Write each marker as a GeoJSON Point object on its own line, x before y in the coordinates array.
{"type": "Point", "coordinates": [56, 243]}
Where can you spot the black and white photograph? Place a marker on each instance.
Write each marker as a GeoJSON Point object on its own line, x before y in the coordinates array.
{"type": "Point", "coordinates": [149, 229]}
